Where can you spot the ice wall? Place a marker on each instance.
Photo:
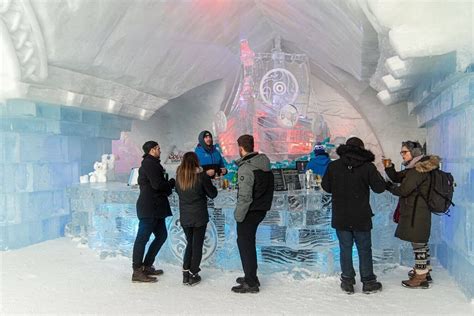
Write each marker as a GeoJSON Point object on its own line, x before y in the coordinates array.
{"type": "Point", "coordinates": [43, 149]}
{"type": "Point", "coordinates": [175, 125]}
{"type": "Point", "coordinates": [445, 108]}
{"type": "Point", "coordinates": [425, 28]}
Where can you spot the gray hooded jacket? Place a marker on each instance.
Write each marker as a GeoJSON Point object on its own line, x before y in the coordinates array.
{"type": "Point", "coordinates": [251, 166]}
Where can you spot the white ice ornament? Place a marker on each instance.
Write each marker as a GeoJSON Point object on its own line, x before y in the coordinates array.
{"type": "Point", "coordinates": [92, 177]}
{"type": "Point", "coordinates": [84, 179]}
{"type": "Point", "coordinates": [109, 161]}
{"type": "Point", "coordinates": [103, 170]}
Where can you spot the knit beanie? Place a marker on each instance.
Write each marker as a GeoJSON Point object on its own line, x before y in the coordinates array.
{"type": "Point", "coordinates": [355, 141]}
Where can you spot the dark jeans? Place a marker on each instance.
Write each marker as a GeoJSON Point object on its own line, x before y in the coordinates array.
{"type": "Point", "coordinates": [363, 243]}
{"type": "Point", "coordinates": [193, 253]}
{"type": "Point", "coordinates": [246, 232]}
{"type": "Point", "coordinates": [146, 227]}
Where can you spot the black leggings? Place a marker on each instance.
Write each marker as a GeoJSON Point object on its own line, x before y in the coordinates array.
{"type": "Point", "coordinates": [193, 253]}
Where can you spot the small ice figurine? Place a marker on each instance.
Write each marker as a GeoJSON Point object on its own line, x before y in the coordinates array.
{"type": "Point", "coordinates": [84, 179]}
{"type": "Point", "coordinates": [108, 160]}
{"type": "Point", "coordinates": [100, 171]}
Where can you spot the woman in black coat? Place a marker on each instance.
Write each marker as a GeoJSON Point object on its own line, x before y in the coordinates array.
{"type": "Point", "coordinates": [414, 224]}
{"type": "Point", "coordinates": [193, 187]}
{"type": "Point", "coordinates": [152, 209]}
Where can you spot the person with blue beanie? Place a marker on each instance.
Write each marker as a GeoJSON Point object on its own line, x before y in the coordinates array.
{"type": "Point", "coordinates": [209, 157]}
{"type": "Point", "coordinates": [320, 161]}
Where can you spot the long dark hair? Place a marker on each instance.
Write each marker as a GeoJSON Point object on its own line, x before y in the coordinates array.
{"type": "Point", "coordinates": [186, 175]}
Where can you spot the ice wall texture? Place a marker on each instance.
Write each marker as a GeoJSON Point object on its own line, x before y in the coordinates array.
{"type": "Point", "coordinates": [425, 28]}
{"type": "Point", "coordinates": [178, 123]}
{"type": "Point", "coordinates": [194, 42]}
{"type": "Point", "coordinates": [43, 149]}
{"type": "Point", "coordinates": [445, 107]}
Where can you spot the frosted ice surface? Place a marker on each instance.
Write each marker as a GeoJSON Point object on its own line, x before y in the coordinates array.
{"type": "Point", "coordinates": [295, 233]}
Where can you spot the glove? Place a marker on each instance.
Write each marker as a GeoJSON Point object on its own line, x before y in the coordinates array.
{"type": "Point", "coordinates": [389, 186]}
{"type": "Point", "coordinates": [172, 183]}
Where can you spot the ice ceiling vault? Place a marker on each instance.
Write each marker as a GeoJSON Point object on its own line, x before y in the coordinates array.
{"type": "Point", "coordinates": [131, 57]}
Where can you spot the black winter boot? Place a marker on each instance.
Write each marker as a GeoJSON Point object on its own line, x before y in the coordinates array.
{"type": "Point", "coordinates": [140, 276]}
{"type": "Point", "coordinates": [152, 271]}
{"type": "Point", "coordinates": [347, 285]}
{"type": "Point", "coordinates": [245, 288]}
{"type": "Point", "coordinates": [194, 279]}
{"type": "Point", "coordinates": [185, 277]}
{"type": "Point", "coordinates": [370, 287]}
{"type": "Point", "coordinates": [241, 280]}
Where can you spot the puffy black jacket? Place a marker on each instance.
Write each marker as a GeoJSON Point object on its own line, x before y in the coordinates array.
{"type": "Point", "coordinates": [154, 190]}
{"type": "Point", "coordinates": [193, 202]}
{"type": "Point", "coordinates": [349, 180]}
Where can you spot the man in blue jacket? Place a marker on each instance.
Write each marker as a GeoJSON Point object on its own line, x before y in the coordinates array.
{"type": "Point", "coordinates": [209, 157]}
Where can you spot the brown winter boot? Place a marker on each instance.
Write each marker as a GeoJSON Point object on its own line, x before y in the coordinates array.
{"type": "Point", "coordinates": [411, 274]}
{"type": "Point", "coordinates": [150, 270]}
{"type": "Point", "coordinates": [417, 281]}
{"type": "Point", "coordinates": [140, 276]}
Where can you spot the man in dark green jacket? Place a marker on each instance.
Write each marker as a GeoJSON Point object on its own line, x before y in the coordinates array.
{"type": "Point", "coordinates": [254, 199]}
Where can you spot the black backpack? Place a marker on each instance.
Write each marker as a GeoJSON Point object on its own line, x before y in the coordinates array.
{"type": "Point", "coordinates": [440, 192]}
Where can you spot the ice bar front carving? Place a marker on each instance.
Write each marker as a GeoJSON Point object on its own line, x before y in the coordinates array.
{"type": "Point", "coordinates": [296, 233]}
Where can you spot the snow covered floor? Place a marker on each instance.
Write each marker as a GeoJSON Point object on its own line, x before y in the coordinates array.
{"type": "Point", "coordinates": [57, 277]}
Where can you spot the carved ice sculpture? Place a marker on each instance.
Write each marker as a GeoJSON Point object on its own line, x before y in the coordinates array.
{"type": "Point", "coordinates": [103, 170]}
{"type": "Point", "coordinates": [109, 161]}
{"type": "Point", "coordinates": [100, 171]}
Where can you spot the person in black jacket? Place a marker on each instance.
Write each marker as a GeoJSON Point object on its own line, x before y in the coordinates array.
{"type": "Point", "coordinates": [152, 209]}
{"type": "Point", "coordinates": [193, 186]}
{"type": "Point", "coordinates": [349, 180]}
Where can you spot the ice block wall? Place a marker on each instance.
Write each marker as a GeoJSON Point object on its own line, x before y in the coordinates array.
{"type": "Point", "coordinates": [43, 149]}
{"type": "Point", "coordinates": [445, 107]}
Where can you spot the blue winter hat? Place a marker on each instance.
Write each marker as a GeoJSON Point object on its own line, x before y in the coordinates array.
{"type": "Point", "coordinates": [319, 149]}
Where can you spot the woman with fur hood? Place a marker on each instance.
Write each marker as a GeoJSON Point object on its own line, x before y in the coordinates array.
{"type": "Point", "coordinates": [414, 224]}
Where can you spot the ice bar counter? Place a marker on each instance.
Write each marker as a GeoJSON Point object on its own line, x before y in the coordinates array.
{"type": "Point", "coordinates": [296, 234]}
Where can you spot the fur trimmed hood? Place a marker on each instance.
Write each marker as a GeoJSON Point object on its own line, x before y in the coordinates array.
{"type": "Point", "coordinates": [354, 156]}
{"type": "Point", "coordinates": [427, 164]}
